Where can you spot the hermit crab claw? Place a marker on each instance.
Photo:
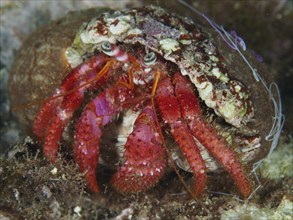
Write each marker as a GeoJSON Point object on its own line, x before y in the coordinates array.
{"type": "Point", "coordinates": [145, 159]}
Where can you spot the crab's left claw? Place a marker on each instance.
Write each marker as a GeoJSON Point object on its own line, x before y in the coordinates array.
{"type": "Point", "coordinates": [145, 160]}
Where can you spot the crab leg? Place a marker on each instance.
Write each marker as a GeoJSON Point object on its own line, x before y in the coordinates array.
{"type": "Point", "coordinates": [171, 113]}
{"type": "Point", "coordinates": [99, 112]}
{"type": "Point", "coordinates": [62, 113]}
{"type": "Point", "coordinates": [145, 160]}
{"type": "Point", "coordinates": [208, 136]}
{"type": "Point", "coordinates": [78, 76]}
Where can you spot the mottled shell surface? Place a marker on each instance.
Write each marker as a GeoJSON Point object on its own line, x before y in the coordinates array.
{"type": "Point", "coordinates": [223, 80]}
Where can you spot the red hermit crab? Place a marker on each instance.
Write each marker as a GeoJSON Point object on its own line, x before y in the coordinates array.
{"type": "Point", "coordinates": [161, 74]}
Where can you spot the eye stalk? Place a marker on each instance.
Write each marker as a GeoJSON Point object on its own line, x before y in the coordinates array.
{"type": "Point", "coordinates": [107, 48]}
{"type": "Point", "coordinates": [113, 51]}
{"type": "Point", "coordinates": [150, 58]}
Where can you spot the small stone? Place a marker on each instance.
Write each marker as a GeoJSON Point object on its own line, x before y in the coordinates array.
{"type": "Point", "coordinates": [77, 210]}
{"type": "Point", "coordinates": [54, 171]}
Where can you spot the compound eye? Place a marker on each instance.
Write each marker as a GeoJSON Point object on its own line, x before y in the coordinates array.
{"type": "Point", "coordinates": [106, 47]}
{"type": "Point", "coordinates": [150, 58]}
